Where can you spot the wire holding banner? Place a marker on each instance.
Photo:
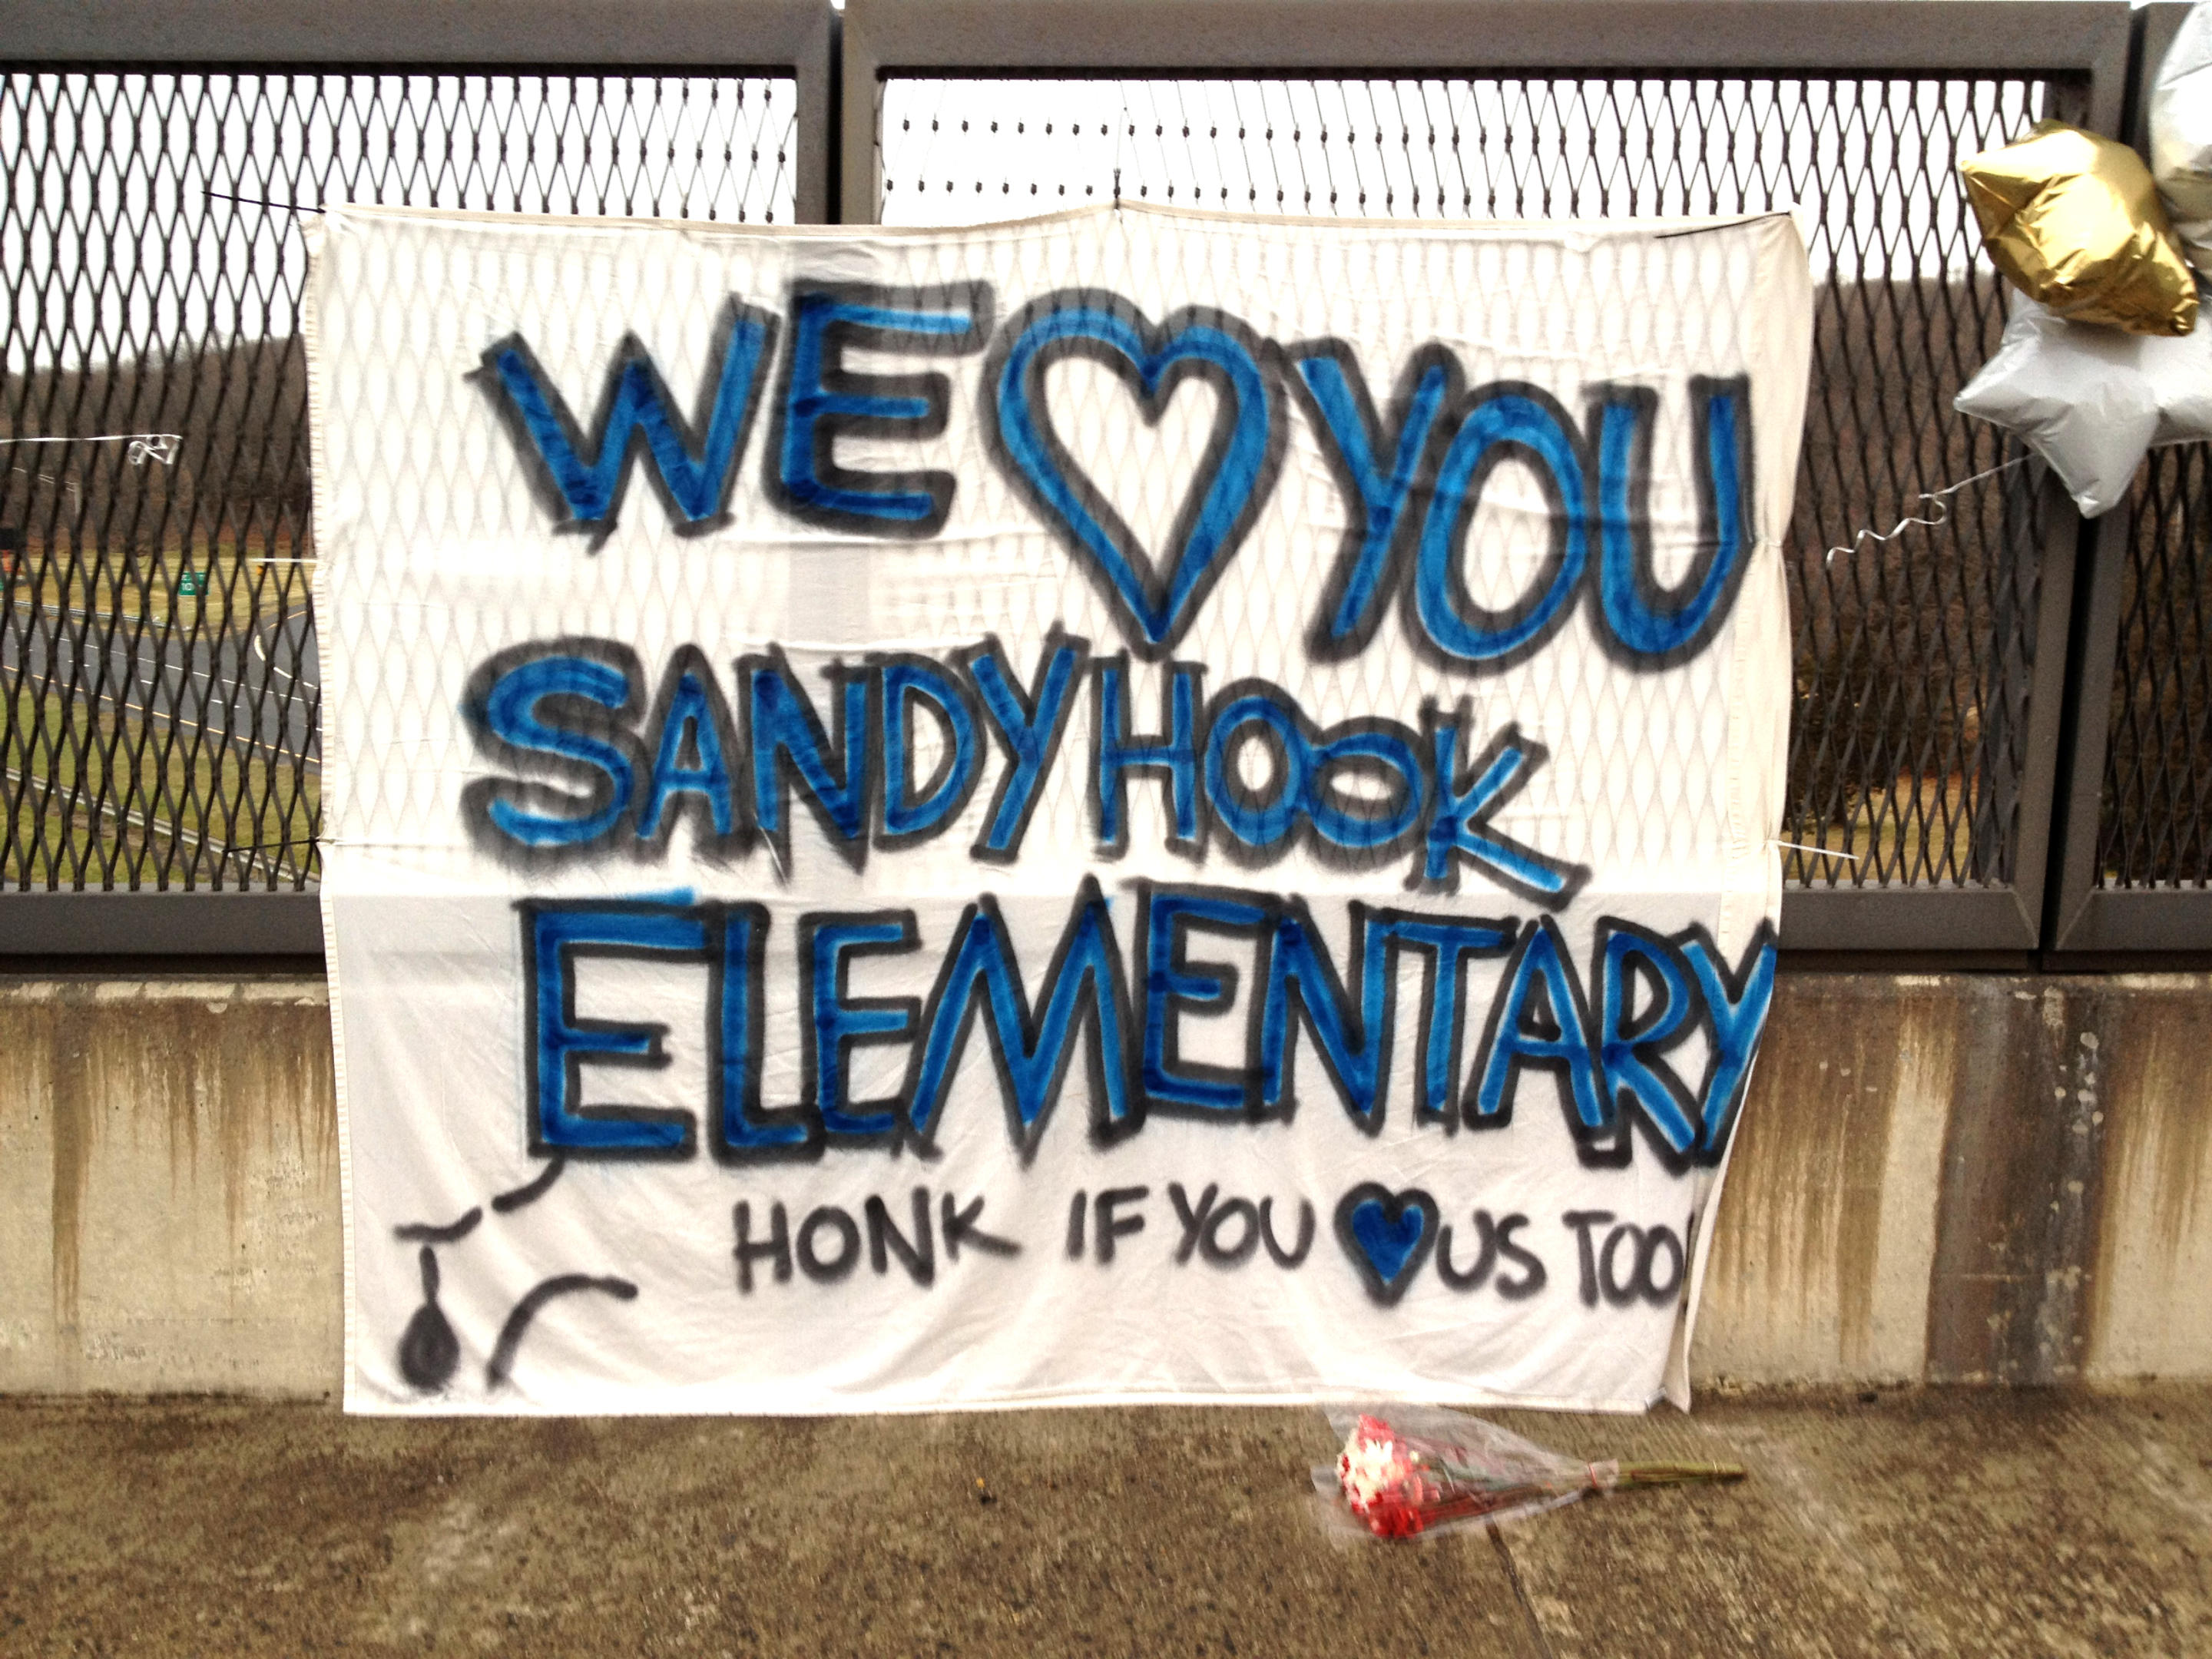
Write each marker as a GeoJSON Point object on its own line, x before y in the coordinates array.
{"type": "Point", "coordinates": [257, 200]}
{"type": "Point", "coordinates": [1817, 852]}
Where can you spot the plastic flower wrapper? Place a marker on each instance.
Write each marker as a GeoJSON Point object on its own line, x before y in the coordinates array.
{"type": "Point", "coordinates": [2074, 221]}
{"type": "Point", "coordinates": [1406, 1471]}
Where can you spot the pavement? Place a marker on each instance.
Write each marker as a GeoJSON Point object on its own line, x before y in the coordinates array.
{"type": "Point", "coordinates": [1919, 1522]}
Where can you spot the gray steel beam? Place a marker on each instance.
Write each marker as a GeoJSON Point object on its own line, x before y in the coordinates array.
{"type": "Point", "coordinates": [155, 924]}
{"type": "Point", "coordinates": [2087, 917]}
{"type": "Point", "coordinates": [2138, 919]}
{"type": "Point", "coordinates": [2078, 808]}
{"type": "Point", "coordinates": [2039, 772]}
{"type": "Point", "coordinates": [705, 32]}
{"type": "Point", "coordinates": [775, 37]}
{"type": "Point", "coordinates": [1906, 919]}
{"type": "Point", "coordinates": [1914, 38]}
{"type": "Point", "coordinates": [2160, 22]}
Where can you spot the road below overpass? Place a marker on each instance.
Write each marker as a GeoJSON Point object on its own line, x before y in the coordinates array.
{"type": "Point", "coordinates": [251, 694]}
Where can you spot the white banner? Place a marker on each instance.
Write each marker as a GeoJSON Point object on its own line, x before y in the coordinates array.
{"type": "Point", "coordinates": [1139, 805]}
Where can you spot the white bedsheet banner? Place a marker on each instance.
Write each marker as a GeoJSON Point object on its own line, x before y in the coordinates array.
{"type": "Point", "coordinates": [1137, 806]}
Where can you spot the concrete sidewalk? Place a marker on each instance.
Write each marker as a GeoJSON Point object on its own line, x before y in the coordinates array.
{"type": "Point", "coordinates": [1919, 1522]}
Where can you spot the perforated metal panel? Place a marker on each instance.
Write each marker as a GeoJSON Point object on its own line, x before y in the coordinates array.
{"type": "Point", "coordinates": [148, 744]}
{"type": "Point", "coordinates": [2156, 822]}
{"type": "Point", "coordinates": [156, 649]}
{"type": "Point", "coordinates": [1914, 656]}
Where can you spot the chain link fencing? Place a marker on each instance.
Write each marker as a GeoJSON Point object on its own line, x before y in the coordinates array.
{"type": "Point", "coordinates": [1914, 655]}
{"type": "Point", "coordinates": [157, 654]}
{"type": "Point", "coordinates": [157, 645]}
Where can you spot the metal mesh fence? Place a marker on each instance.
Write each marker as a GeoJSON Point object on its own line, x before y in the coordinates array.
{"type": "Point", "coordinates": [157, 654]}
{"type": "Point", "coordinates": [2156, 828]}
{"type": "Point", "coordinates": [1914, 656]}
{"type": "Point", "coordinates": [155, 650]}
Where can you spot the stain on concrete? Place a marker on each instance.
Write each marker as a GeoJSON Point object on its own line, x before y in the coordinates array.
{"type": "Point", "coordinates": [69, 1040]}
{"type": "Point", "coordinates": [194, 1229]}
{"type": "Point", "coordinates": [2070, 1254]}
{"type": "Point", "coordinates": [2161, 1083]}
{"type": "Point", "coordinates": [1999, 1174]}
{"type": "Point", "coordinates": [2148, 1312]}
{"type": "Point", "coordinates": [1797, 1235]}
{"type": "Point", "coordinates": [2017, 1240]}
{"type": "Point", "coordinates": [1911, 1182]}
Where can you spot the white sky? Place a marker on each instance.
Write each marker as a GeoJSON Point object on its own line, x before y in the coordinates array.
{"type": "Point", "coordinates": [111, 241]}
{"type": "Point", "coordinates": [1879, 158]}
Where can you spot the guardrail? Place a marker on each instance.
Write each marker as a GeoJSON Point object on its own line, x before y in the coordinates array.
{"type": "Point", "coordinates": [2003, 731]}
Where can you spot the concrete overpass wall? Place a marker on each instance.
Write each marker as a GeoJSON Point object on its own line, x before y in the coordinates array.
{"type": "Point", "coordinates": [1976, 1178]}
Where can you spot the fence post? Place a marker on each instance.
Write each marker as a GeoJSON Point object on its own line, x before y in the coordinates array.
{"type": "Point", "coordinates": [2084, 917]}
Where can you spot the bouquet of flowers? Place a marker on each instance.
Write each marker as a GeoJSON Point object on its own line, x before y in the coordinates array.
{"type": "Point", "coordinates": [1405, 1470]}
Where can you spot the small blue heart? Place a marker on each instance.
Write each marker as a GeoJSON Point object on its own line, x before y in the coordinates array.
{"type": "Point", "coordinates": [1231, 480]}
{"type": "Point", "coordinates": [1387, 1235]}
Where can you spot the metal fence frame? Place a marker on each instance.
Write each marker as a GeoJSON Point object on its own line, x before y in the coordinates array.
{"type": "Point", "coordinates": [773, 37]}
{"type": "Point", "coordinates": [2084, 917]}
{"type": "Point", "coordinates": [1914, 39]}
{"type": "Point", "coordinates": [2076, 624]}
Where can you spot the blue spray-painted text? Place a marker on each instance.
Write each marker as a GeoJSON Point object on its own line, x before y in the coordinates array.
{"type": "Point", "coordinates": [1605, 1038]}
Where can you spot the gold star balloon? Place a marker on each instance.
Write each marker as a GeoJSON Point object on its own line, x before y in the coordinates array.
{"type": "Point", "coordinates": [2074, 221]}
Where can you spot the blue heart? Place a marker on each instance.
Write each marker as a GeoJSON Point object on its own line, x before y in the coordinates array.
{"type": "Point", "coordinates": [1387, 1236]}
{"type": "Point", "coordinates": [1232, 479]}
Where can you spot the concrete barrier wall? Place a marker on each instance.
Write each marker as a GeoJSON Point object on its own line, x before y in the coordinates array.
{"type": "Point", "coordinates": [1949, 1178]}
{"type": "Point", "coordinates": [168, 1187]}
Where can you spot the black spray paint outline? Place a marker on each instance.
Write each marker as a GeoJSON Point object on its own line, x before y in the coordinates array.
{"type": "Point", "coordinates": [500, 1366]}
{"type": "Point", "coordinates": [429, 1349]}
